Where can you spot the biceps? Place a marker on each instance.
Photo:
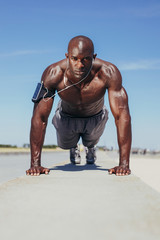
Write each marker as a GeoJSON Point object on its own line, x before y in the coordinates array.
{"type": "Point", "coordinates": [119, 103]}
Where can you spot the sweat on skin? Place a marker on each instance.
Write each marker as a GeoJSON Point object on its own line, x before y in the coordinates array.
{"type": "Point", "coordinates": [89, 78]}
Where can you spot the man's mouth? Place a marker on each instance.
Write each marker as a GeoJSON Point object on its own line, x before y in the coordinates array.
{"type": "Point", "coordinates": [79, 72]}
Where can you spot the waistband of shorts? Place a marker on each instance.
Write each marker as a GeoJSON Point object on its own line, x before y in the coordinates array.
{"type": "Point", "coordinates": [71, 116]}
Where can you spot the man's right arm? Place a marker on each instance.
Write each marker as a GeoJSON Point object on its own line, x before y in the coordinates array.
{"type": "Point", "coordinates": [51, 77]}
{"type": "Point", "coordinates": [38, 128]}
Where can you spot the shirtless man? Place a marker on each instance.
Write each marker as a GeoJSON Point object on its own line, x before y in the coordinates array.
{"type": "Point", "coordinates": [81, 81]}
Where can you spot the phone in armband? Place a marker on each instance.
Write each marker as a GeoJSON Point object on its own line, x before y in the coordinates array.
{"type": "Point", "coordinates": [36, 96]}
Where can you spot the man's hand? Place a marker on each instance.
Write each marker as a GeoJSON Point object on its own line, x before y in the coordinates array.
{"type": "Point", "coordinates": [36, 171]}
{"type": "Point", "coordinates": [120, 171]}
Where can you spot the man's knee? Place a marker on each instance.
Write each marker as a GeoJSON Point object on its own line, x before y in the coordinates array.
{"type": "Point", "coordinates": [67, 141]}
{"type": "Point", "coordinates": [90, 142]}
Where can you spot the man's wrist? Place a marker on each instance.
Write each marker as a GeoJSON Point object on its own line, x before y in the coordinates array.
{"type": "Point", "coordinates": [35, 158]}
{"type": "Point", "coordinates": [124, 163]}
{"type": "Point", "coordinates": [35, 163]}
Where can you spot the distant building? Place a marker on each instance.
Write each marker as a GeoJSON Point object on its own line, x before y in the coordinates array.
{"type": "Point", "coordinates": [26, 145]}
{"type": "Point", "coordinates": [138, 151]}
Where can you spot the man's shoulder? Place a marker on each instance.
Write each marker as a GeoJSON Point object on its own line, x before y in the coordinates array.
{"type": "Point", "coordinates": [109, 73]}
{"type": "Point", "coordinates": [107, 67]}
{"type": "Point", "coordinates": [54, 72]}
{"type": "Point", "coordinates": [55, 68]}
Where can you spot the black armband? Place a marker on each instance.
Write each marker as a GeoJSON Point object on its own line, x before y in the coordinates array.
{"type": "Point", "coordinates": [41, 92]}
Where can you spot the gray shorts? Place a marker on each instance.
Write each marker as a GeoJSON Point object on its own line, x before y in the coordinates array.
{"type": "Point", "coordinates": [69, 129]}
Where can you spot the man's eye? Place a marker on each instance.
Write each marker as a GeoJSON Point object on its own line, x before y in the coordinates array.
{"type": "Point", "coordinates": [74, 58]}
{"type": "Point", "coordinates": [87, 58]}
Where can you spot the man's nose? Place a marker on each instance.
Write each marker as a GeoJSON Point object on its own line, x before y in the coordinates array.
{"type": "Point", "coordinates": [80, 64]}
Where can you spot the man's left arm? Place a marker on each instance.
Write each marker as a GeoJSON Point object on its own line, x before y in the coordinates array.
{"type": "Point", "coordinates": [118, 100]}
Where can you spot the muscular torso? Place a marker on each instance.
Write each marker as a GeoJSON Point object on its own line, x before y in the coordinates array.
{"type": "Point", "coordinates": [85, 99]}
{"type": "Point", "coordinates": [83, 110]}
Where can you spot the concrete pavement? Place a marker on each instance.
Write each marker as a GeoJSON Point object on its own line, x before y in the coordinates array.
{"type": "Point", "coordinates": [79, 202]}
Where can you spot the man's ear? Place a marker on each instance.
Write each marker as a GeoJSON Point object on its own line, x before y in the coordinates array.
{"type": "Point", "coordinates": [94, 56]}
{"type": "Point", "coordinates": [66, 54]}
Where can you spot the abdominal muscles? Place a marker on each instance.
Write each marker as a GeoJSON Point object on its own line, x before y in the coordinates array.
{"type": "Point", "coordinates": [83, 110]}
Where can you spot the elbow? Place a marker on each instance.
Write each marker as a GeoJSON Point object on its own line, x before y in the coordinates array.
{"type": "Point", "coordinates": [127, 118]}
{"type": "Point", "coordinates": [124, 118]}
{"type": "Point", "coordinates": [39, 121]}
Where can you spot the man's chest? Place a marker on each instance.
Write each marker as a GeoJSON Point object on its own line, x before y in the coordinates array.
{"type": "Point", "coordinates": [84, 93]}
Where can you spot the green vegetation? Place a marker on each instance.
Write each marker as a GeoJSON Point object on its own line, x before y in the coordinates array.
{"type": "Point", "coordinates": [7, 146]}
{"type": "Point", "coordinates": [50, 146]}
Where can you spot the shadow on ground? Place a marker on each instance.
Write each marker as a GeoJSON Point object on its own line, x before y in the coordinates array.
{"type": "Point", "coordinates": [73, 168]}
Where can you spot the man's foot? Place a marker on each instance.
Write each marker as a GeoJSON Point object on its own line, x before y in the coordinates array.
{"type": "Point", "coordinates": [91, 155]}
{"type": "Point", "coordinates": [75, 157]}
{"type": "Point", "coordinates": [36, 171]}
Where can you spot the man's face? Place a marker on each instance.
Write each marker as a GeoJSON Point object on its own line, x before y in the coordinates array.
{"type": "Point", "coordinates": [80, 57]}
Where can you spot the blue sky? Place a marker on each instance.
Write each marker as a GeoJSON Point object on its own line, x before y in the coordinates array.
{"type": "Point", "coordinates": [35, 34]}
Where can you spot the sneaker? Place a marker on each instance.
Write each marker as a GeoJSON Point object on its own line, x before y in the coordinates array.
{"type": "Point", "coordinates": [75, 157]}
{"type": "Point", "coordinates": [91, 155]}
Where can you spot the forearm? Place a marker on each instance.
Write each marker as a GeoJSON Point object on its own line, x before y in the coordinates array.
{"type": "Point", "coordinates": [124, 139]}
{"type": "Point", "coordinates": [119, 105]}
{"type": "Point", "coordinates": [37, 134]}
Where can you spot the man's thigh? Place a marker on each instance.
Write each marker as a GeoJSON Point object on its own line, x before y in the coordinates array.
{"type": "Point", "coordinates": [66, 130]}
{"type": "Point", "coordinates": [94, 129]}
{"type": "Point", "coordinates": [70, 129]}
{"type": "Point", "coordinates": [67, 141]}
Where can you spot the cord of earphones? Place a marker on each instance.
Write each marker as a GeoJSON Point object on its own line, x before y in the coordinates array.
{"type": "Point", "coordinates": [67, 87]}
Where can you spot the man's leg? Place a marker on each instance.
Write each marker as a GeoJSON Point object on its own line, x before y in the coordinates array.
{"type": "Point", "coordinates": [91, 155]}
{"type": "Point", "coordinates": [75, 157]}
{"type": "Point", "coordinates": [94, 129]}
{"type": "Point", "coordinates": [67, 137]}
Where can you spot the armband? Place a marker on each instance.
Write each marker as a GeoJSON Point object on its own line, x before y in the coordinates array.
{"type": "Point", "coordinates": [41, 92]}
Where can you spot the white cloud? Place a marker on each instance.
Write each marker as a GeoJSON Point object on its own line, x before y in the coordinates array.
{"type": "Point", "coordinates": [22, 52]}
{"type": "Point", "coordinates": [119, 11]}
{"type": "Point", "coordinates": [147, 11]}
{"type": "Point", "coordinates": [141, 65]}
{"type": "Point", "coordinates": [106, 11]}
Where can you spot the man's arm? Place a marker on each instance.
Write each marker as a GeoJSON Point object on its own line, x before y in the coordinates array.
{"type": "Point", "coordinates": [118, 100]}
{"type": "Point", "coordinates": [38, 128]}
{"type": "Point", "coordinates": [51, 77]}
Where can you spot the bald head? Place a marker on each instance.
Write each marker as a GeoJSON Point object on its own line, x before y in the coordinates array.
{"type": "Point", "coordinates": [80, 56]}
{"type": "Point", "coordinates": [81, 42]}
